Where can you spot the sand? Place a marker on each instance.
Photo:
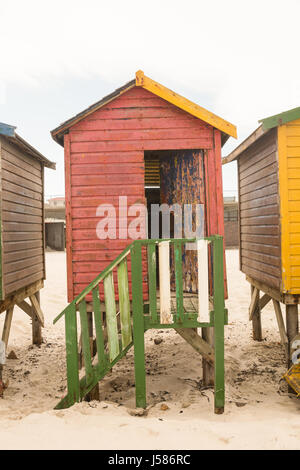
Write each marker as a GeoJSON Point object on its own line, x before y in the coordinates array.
{"type": "Point", "coordinates": [259, 412]}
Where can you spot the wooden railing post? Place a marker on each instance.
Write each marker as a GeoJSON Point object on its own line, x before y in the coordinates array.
{"type": "Point", "coordinates": [138, 325]}
{"type": "Point", "coordinates": [72, 355]}
{"type": "Point", "coordinates": [219, 317]}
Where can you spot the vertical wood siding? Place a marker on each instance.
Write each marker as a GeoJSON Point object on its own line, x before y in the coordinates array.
{"type": "Point", "coordinates": [289, 182]}
{"type": "Point", "coordinates": [260, 253]}
{"type": "Point", "coordinates": [107, 161]}
{"type": "Point", "coordinates": [22, 218]}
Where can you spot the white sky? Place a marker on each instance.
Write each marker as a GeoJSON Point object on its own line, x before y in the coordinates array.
{"type": "Point", "coordinates": [240, 59]}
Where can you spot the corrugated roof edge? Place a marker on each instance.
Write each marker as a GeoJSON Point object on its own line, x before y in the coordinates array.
{"type": "Point", "coordinates": [9, 133]}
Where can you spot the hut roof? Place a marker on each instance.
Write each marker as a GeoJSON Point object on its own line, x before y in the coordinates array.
{"type": "Point", "coordinates": [147, 83]}
{"type": "Point", "coordinates": [266, 125]}
{"type": "Point", "coordinates": [9, 132]}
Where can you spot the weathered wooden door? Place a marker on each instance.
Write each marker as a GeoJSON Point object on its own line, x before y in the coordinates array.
{"type": "Point", "coordinates": [182, 182]}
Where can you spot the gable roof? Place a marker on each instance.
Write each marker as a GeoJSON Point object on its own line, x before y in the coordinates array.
{"type": "Point", "coordinates": [147, 83]}
{"type": "Point", "coordinates": [266, 125]}
{"type": "Point", "coordinates": [9, 133]}
{"type": "Point", "coordinates": [279, 119]}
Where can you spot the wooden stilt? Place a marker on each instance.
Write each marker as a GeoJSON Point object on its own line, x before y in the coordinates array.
{"type": "Point", "coordinates": [201, 346]}
{"type": "Point", "coordinates": [7, 325]}
{"type": "Point", "coordinates": [94, 394]}
{"type": "Point", "coordinates": [280, 322]}
{"type": "Point", "coordinates": [208, 368]}
{"type": "Point", "coordinates": [292, 327]}
{"type": "Point", "coordinates": [36, 321]}
{"type": "Point", "coordinates": [255, 314]}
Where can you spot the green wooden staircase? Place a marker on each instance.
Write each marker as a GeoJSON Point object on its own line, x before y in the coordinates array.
{"type": "Point", "coordinates": [120, 322]}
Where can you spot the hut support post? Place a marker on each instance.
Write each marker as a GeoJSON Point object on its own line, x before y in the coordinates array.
{"type": "Point", "coordinates": [37, 337]}
{"type": "Point", "coordinates": [292, 327]}
{"type": "Point", "coordinates": [255, 314]}
{"type": "Point", "coordinates": [94, 394]}
{"type": "Point", "coordinates": [208, 368]}
{"type": "Point", "coordinates": [7, 325]}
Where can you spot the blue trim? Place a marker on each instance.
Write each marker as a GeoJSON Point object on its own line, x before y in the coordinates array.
{"type": "Point", "coordinates": [7, 130]}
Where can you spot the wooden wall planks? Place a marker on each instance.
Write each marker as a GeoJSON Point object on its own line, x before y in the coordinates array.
{"type": "Point", "coordinates": [22, 218]}
{"type": "Point", "coordinates": [104, 155]}
{"type": "Point", "coordinates": [260, 247]}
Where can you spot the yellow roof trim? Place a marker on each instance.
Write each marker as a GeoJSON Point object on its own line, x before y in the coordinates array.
{"type": "Point", "coordinates": [183, 103]}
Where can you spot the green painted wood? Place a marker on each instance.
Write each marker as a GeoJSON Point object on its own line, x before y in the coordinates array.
{"type": "Point", "coordinates": [138, 325]}
{"type": "Point", "coordinates": [96, 281]}
{"type": "Point", "coordinates": [151, 254]}
{"type": "Point", "coordinates": [85, 339]}
{"type": "Point", "coordinates": [111, 316]}
{"type": "Point", "coordinates": [186, 323]}
{"type": "Point", "coordinates": [85, 389]}
{"type": "Point", "coordinates": [78, 389]}
{"type": "Point", "coordinates": [124, 303]}
{"type": "Point", "coordinates": [102, 361]}
{"type": "Point", "coordinates": [72, 354]}
{"type": "Point", "coordinates": [219, 316]}
{"type": "Point", "coordinates": [179, 280]}
{"type": "Point", "coordinates": [279, 119]}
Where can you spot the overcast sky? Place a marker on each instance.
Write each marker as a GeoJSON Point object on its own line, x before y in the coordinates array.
{"type": "Point", "coordinates": [239, 59]}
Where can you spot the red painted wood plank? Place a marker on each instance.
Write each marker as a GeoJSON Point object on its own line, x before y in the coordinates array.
{"type": "Point", "coordinates": [94, 201]}
{"type": "Point", "coordinates": [91, 223]}
{"type": "Point", "coordinates": [133, 102]}
{"type": "Point", "coordinates": [145, 123]}
{"type": "Point", "coordinates": [69, 239]}
{"type": "Point", "coordinates": [141, 134]}
{"type": "Point", "coordinates": [90, 234]}
{"type": "Point", "coordinates": [107, 168]}
{"type": "Point", "coordinates": [108, 157]}
{"type": "Point", "coordinates": [104, 245]}
{"type": "Point", "coordinates": [137, 113]}
{"type": "Point", "coordinates": [164, 144]}
{"type": "Point", "coordinates": [96, 267]}
{"type": "Point", "coordinates": [96, 255]}
{"type": "Point", "coordinates": [106, 180]}
{"type": "Point", "coordinates": [113, 190]}
{"type": "Point", "coordinates": [90, 212]}
{"type": "Point", "coordinates": [138, 92]}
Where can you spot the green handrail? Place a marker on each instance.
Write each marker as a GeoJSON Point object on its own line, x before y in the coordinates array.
{"type": "Point", "coordinates": [112, 348]}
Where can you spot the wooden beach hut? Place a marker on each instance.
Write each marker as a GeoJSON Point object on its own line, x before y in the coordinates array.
{"type": "Point", "coordinates": [22, 249]}
{"type": "Point", "coordinates": [269, 218]}
{"type": "Point", "coordinates": [150, 145]}
{"type": "Point", "coordinates": [145, 142]}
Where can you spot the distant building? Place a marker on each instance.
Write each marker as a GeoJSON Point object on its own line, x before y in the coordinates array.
{"type": "Point", "coordinates": [231, 222]}
{"type": "Point", "coordinates": [55, 208]}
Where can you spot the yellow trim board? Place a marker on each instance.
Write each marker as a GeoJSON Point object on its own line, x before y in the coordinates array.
{"type": "Point", "coordinates": [284, 213]}
{"type": "Point", "coordinates": [183, 103]}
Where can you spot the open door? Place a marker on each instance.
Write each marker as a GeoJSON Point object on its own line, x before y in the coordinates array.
{"type": "Point", "coordinates": [182, 182]}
